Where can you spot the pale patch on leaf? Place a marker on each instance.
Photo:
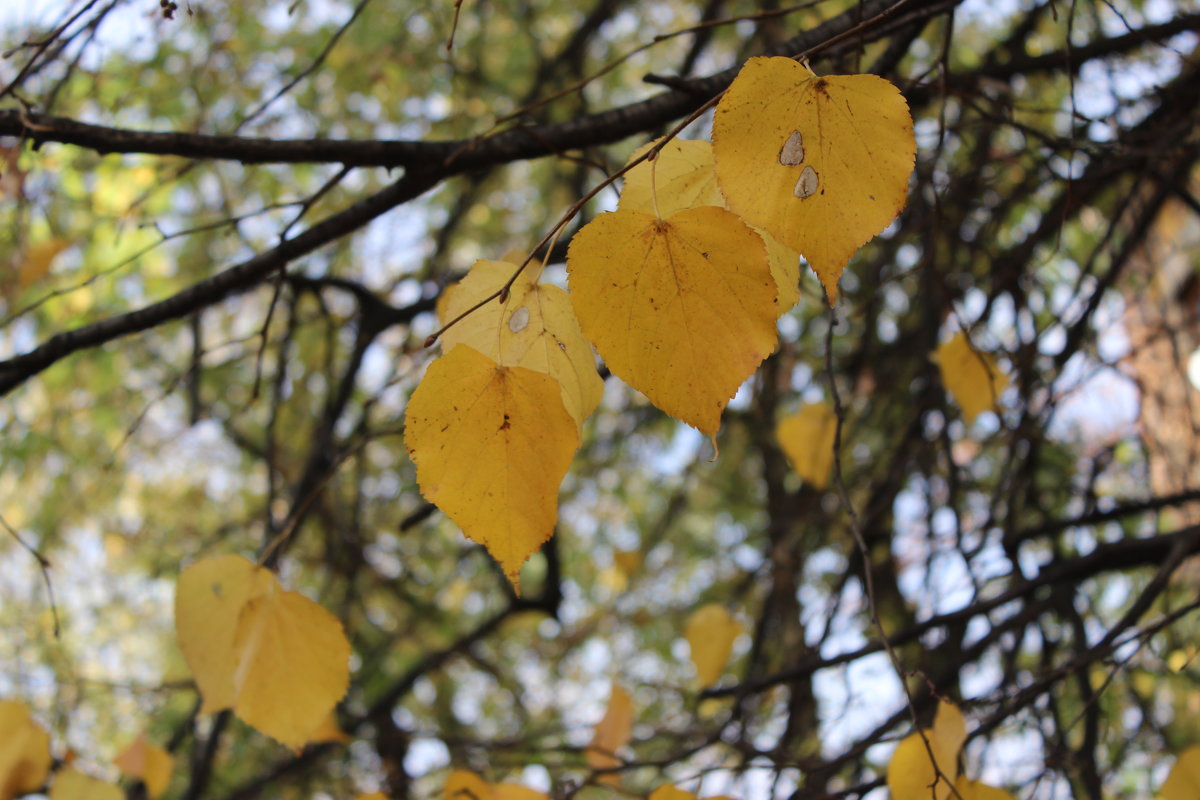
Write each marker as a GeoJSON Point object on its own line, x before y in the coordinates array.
{"type": "Point", "coordinates": [148, 763]}
{"type": "Point", "coordinates": [611, 734]}
{"type": "Point", "coordinates": [682, 176]}
{"type": "Point", "coordinates": [806, 438]}
{"type": "Point", "coordinates": [911, 774]}
{"type": "Point", "coordinates": [534, 328]}
{"type": "Point", "coordinates": [682, 309]}
{"type": "Point", "coordinates": [292, 665]}
{"type": "Point", "coordinates": [710, 632]}
{"type": "Point", "coordinates": [977, 790]}
{"type": "Point", "coordinates": [491, 445]}
{"type": "Point", "coordinates": [821, 162]}
{"type": "Point", "coordinates": [1183, 781]}
{"type": "Point", "coordinates": [71, 784]}
{"type": "Point", "coordinates": [972, 377]}
{"type": "Point", "coordinates": [24, 751]}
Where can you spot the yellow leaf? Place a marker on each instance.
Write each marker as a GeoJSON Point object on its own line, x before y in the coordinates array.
{"type": "Point", "coordinates": [977, 790]}
{"type": "Point", "coordinates": [70, 784]}
{"type": "Point", "coordinates": [911, 775]}
{"type": "Point", "coordinates": [372, 796]}
{"type": "Point", "coordinates": [972, 377]}
{"type": "Point", "coordinates": [682, 309]}
{"type": "Point", "coordinates": [628, 561]}
{"type": "Point", "coordinates": [513, 791]}
{"type": "Point", "coordinates": [278, 659]}
{"type": "Point", "coordinates": [821, 162]}
{"type": "Point", "coordinates": [669, 792]}
{"type": "Point", "coordinates": [208, 599]}
{"type": "Point", "coordinates": [24, 751]}
{"type": "Point", "coordinates": [292, 665]}
{"type": "Point", "coordinates": [491, 445]}
{"type": "Point", "coordinates": [686, 177]}
{"type": "Point", "coordinates": [466, 785]}
{"type": "Point", "coordinates": [611, 734]}
{"type": "Point", "coordinates": [681, 176]}
{"type": "Point", "coordinates": [710, 632]}
{"type": "Point", "coordinates": [807, 440]}
{"type": "Point", "coordinates": [147, 762]}
{"type": "Point", "coordinates": [1183, 781]}
{"type": "Point", "coordinates": [536, 329]}
{"type": "Point", "coordinates": [328, 731]}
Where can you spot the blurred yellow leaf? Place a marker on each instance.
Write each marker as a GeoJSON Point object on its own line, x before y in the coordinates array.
{"type": "Point", "coordinates": [276, 657]}
{"type": "Point", "coordinates": [514, 791]}
{"type": "Point", "coordinates": [70, 784]}
{"type": "Point", "coordinates": [36, 262]}
{"type": "Point", "coordinates": [535, 328]}
{"type": "Point", "coordinates": [628, 561]}
{"type": "Point", "coordinates": [681, 176]}
{"type": "Point", "coordinates": [611, 734]}
{"type": "Point", "coordinates": [821, 162]}
{"type": "Point", "coordinates": [668, 792]}
{"type": "Point", "coordinates": [466, 785]}
{"type": "Point", "coordinates": [976, 790]}
{"type": "Point", "coordinates": [491, 445]}
{"type": "Point", "coordinates": [372, 796]}
{"type": "Point", "coordinates": [147, 762]}
{"type": "Point", "coordinates": [292, 665]}
{"type": "Point", "coordinates": [806, 438]}
{"type": "Point", "coordinates": [911, 774]}
{"type": "Point", "coordinates": [710, 632]}
{"type": "Point", "coordinates": [1183, 781]}
{"type": "Point", "coordinates": [683, 309]}
{"type": "Point", "coordinates": [972, 377]}
{"type": "Point", "coordinates": [24, 751]}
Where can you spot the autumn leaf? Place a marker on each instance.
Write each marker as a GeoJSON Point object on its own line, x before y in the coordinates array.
{"type": "Point", "coordinates": [972, 377]}
{"type": "Point", "coordinates": [71, 784]}
{"type": "Point", "coordinates": [534, 328]}
{"type": "Point", "coordinates": [911, 774]}
{"type": "Point", "coordinates": [491, 445]}
{"type": "Point", "coordinates": [682, 309]}
{"type": "Point", "coordinates": [1183, 781]}
{"type": "Point", "coordinates": [328, 731]}
{"type": "Point", "coordinates": [24, 751]}
{"type": "Point", "coordinates": [466, 785]}
{"type": "Point", "coordinates": [148, 763]}
{"type": "Point", "coordinates": [276, 657]}
{"type": "Point", "coordinates": [37, 260]}
{"type": "Point", "coordinates": [681, 176]}
{"type": "Point", "coordinates": [611, 734]}
{"type": "Point", "coordinates": [821, 162]}
{"type": "Point", "coordinates": [685, 176]}
{"type": "Point", "coordinates": [710, 632]}
{"type": "Point", "coordinates": [372, 796]}
{"type": "Point", "coordinates": [806, 438]}
{"type": "Point", "coordinates": [668, 792]}
{"type": "Point", "coordinates": [514, 791]}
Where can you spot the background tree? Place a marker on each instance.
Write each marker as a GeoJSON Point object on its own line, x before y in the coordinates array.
{"type": "Point", "coordinates": [226, 226]}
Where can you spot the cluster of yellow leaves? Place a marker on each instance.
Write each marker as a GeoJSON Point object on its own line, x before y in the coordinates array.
{"type": "Point", "coordinates": [25, 762]}
{"type": "Point", "coordinates": [913, 775]}
{"type": "Point", "coordinates": [679, 290]}
{"type": "Point", "coordinates": [278, 659]}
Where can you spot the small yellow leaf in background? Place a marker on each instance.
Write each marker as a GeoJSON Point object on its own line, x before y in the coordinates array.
{"type": "Point", "coordinates": [910, 773]}
{"type": "Point", "coordinates": [276, 657]}
{"type": "Point", "coordinates": [148, 763]}
{"type": "Point", "coordinates": [611, 734]}
{"type": "Point", "coordinates": [292, 667]}
{"type": "Point", "coordinates": [36, 262]}
{"type": "Point", "coordinates": [975, 790]}
{"type": "Point", "coordinates": [466, 785]}
{"type": "Point", "coordinates": [514, 791]}
{"type": "Point", "coordinates": [1183, 781]}
{"type": "Point", "coordinates": [209, 597]}
{"type": "Point", "coordinates": [710, 632]}
{"type": "Point", "coordinates": [535, 328]}
{"type": "Point", "coordinates": [682, 175]}
{"type": "Point", "coordinates": [24, 751]}
{"type": "Point", "coordinates": [668, 792]}
{"type": "Point", "coordinates": [972, 377]}
{"type": "Point", "coordinates": [806, 438]}
{"type": "Point", "coordinates": [491, 445]}
{"type": "Point", "coordinates": [70, 784]}
{"type": "Point", "coordinates": [682, 309]}
{"type": "Point", "coordinates": [821, 162]}
{"type": "Point", "coordinates": [628, 561]}
{"type": "Point", "coordinates": [372, 796]}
